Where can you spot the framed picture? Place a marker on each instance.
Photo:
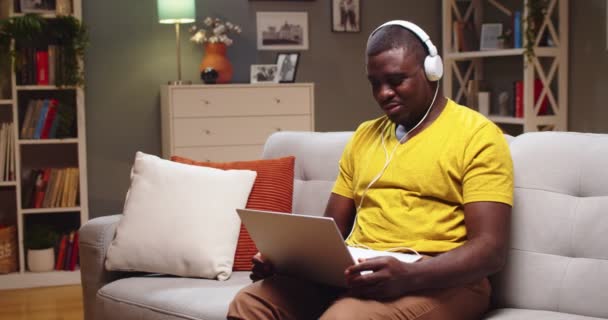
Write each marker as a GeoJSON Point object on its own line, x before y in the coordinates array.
{"type": "Point", "coordinates": [346, 15]}
{"type": "Point", "coordinates": [490, 33]}
{"type": "Point", "coordinates": [282, 30]}
{"type": "Point", "coordinates": [37, 6]}
{"type": "Point", "coordinates": [264, 73]}
{"type": "Point", "coordinates": [287, 64]}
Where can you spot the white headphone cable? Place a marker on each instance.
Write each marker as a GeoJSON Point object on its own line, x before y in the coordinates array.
{"type": "Point", "coordinates": [389, 159]}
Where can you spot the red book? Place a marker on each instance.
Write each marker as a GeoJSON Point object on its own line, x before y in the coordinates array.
{"type": "Point", "coordinates": [538, 88]}
{"type": "Point", "coordinates": [42, 67]}
{"type": "Point", "coordinates": [74, 257]}
{"type": "Point", "coordinates": [61, 252]}
{"type": "Point", "coordinates": [41, 185]}
{"type": "Point", "coordinates": [519, 99]}
{"type": "Point", "coordinates": [48, 121]}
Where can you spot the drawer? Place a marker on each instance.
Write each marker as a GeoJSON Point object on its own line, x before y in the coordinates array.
{"type": "Point", "coordinates": [234, 131]}
{"type": "Point", "coordinates": [221, 153]}
{"type": "Point", "coordinates": [212, 102]}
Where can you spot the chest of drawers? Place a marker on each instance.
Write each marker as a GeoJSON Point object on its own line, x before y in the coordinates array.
{"type": "Point", "coordinates": [231, 122]}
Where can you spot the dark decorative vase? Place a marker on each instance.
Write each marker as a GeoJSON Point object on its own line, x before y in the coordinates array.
{"type": "Point", "coordinates": [209, 75]}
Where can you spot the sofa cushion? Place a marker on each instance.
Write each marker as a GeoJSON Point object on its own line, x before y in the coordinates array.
{"type": "Point", "coordinates": [161, 297]}
{"type": "Point", "coordinates": [526, 314]}
{"type": "Point", "coordinates": [317, 155]}
{"type": "Point", "coordinates": [180, 219]}
{"type": "Point", "coordinates": [272, 191]}
{"type": "Point", "coordinates": [558, 259]}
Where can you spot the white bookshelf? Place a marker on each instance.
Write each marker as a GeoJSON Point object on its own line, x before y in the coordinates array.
{"type": "Point", "coordinates": [44, 153]}
{"type": "Point", "coordinates": [549, 64]}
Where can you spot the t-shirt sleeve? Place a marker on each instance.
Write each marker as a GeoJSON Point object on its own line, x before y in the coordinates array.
{"type": "Point", "coordinates": [344, 182]}
{"type": "Point", "coordinates": [488, 171]}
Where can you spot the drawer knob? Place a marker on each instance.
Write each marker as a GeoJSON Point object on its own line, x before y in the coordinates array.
{"type": "Point", "coordinates": [205, 131]}
{"type": "Point", "coordinates": [277, 100]}
{"type": "Point", "coordinates": [279, 129]}
{"type": "Point", "coordinates": [205, 101]}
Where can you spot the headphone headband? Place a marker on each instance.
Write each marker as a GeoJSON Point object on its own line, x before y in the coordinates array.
{"type": "Point", "coordinates": [426, 40]}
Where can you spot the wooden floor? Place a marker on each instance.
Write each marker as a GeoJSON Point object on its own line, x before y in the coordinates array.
{"type": "Point", "coordinates": [52, 303]}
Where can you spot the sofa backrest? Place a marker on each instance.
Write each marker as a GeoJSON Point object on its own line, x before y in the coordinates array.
{"type": "Point", "coordinates": [559, 251]}
{"type": "Point", "coordinates": [317, 155]}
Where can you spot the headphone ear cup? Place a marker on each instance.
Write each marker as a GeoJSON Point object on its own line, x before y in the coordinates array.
{"type": "Point", "coordinates": [433, 67]}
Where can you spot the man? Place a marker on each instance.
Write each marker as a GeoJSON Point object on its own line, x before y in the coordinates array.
{"type": "Point", "coordinates": [431, 176]}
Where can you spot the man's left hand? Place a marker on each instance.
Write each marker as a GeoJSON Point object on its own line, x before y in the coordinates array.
{"type": "Point", "coordinates": [389, 278]}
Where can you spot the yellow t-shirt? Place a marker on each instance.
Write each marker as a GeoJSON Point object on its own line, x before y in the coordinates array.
{"type": "Point", "coordinates": [418, 202]}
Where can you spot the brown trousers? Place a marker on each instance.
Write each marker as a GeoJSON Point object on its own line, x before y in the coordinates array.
{"type": "Point", "coordinates": [280, 297]}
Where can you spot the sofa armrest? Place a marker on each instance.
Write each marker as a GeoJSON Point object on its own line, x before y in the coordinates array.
{"type": "Point", "coordinates": [95, 237]}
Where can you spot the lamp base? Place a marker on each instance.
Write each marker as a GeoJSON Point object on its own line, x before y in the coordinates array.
{"type": "Point", "coordinates": [179, 82]}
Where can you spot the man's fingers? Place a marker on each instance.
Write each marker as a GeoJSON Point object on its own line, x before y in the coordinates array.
{"type": "Point", "coordinates": [372, 264]}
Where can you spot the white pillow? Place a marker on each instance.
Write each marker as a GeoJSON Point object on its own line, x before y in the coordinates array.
{"type": "Point", "coordinates": [180, 219]}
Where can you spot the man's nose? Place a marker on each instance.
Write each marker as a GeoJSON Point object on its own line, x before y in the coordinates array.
{"type": "Point", "coordinates": [386, 92]}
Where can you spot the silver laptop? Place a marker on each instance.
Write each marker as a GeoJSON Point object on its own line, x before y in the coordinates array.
{"type": "Point", "coordinates": [305, 246]}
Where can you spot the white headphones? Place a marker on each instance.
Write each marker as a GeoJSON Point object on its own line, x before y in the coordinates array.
{"type": "Point", "coordinates": [433, 65]}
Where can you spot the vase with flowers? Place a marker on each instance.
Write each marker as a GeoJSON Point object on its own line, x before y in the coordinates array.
{"type": "Point", "coordinates": [213, 35]}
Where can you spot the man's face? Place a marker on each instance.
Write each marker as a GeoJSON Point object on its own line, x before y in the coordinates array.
{"type": "Point", "coordinates": [399, 85]}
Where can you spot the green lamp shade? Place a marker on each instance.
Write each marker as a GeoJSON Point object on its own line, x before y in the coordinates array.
{"type": "Point", "coordinates": [176, 11]}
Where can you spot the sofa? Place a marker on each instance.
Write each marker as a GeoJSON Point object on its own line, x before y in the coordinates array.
{"type": "Point", "coordinates": [557, 266]}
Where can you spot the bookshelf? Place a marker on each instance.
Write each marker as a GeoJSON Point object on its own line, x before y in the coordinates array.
{"type": "Point", "coordinates": [527, 92]}
{"type": "Point", "coordinates": [49, 148]}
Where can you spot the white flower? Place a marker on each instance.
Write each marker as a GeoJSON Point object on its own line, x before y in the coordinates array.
{"type": "Point", "coordinates": [221, 29]}
{"type": "Point", "coordinates": [199, 36]}
{"type": "Point", "coordinates": [214, 30]}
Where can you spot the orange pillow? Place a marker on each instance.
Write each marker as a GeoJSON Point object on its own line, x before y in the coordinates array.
{"type": "Point", "coordinates": [272, 190]}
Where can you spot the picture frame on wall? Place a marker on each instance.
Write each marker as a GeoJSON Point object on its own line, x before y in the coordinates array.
{"type": "Point", "coordinates": [282, 30]}
{"type": "Point", "coordinates": [346, 15]}
{"type": "Point", "coordinates": [264, 73]}
{"type": "Point", "coordinates": [37, 6]}
{"type": "Point", "coordinates": [287, 65]}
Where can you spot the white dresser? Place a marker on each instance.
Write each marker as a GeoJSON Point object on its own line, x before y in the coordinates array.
{"type": "Point", "coordinates": [231, 122]}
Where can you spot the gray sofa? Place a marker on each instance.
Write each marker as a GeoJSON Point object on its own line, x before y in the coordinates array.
{"type": "Point", "coordinates": [557, 266]}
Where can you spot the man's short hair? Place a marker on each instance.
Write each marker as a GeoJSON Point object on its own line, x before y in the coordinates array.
{"type": "Point", "coordinates": [393, 37]}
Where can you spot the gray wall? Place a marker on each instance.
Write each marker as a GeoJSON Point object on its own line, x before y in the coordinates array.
{"type": "Point", "coordinates": [131, 55]}
{"type": "Point", "coordinates": [588, 94]}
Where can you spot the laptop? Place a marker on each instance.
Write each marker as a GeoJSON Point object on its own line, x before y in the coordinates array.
{"type": "Point", "coordinates": [306, 246]}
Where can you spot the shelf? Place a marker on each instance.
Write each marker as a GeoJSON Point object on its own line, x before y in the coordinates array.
{"type": "Point", "coordinates": [8, 183]}
{"type": "Point", "coordinates": [49, 141]}
{"type": "Point", "coordinates": [48, 15]}
{"type": "Point", "coordinates": [507, 120]}
{"type": "Point", "coordinates": [19, 280]}
{"type": "Point", "coordinates": [37, 87]}
{"type": "Point", "coordinates": [50, 210]}
{"type": "Point", "coordinates": [539, 51]}
{"type": "Point", "coordinates": [6, 102]}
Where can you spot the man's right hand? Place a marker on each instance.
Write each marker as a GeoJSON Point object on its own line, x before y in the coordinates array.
{"type": "Point", "coordinates": [261, 268]}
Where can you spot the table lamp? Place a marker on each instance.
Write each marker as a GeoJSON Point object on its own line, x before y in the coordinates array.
{"type": "Point", "coordinates": [176, 12]}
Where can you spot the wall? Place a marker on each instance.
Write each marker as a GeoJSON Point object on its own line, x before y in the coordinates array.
{"type": "Point", "coordinates": [588, 67]}
{"type": "Point", "coordinates": [131, 55]}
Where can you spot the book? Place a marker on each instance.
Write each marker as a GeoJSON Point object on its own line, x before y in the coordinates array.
{"type": "Point", "coordinates": [519, 99]}
{"type": "Point", "coordinates": [29, 111]}
{"type": "Point", "coordinates": [517, 26]}
{"type": "Point", "coordinates": [50, 117]}
{"type": "Point", "coordinates": [40, 121]}
{"type": "Point", "coordinates": [69, 251]}
{"type": "Point", "coordinates": [538, 89]}
{"type": "Point", "coordinates": [75, 253]}
{"type": "Point", "coordinates": [42, 67]}
{"type": "Point", "coordinates": [61, 252]}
